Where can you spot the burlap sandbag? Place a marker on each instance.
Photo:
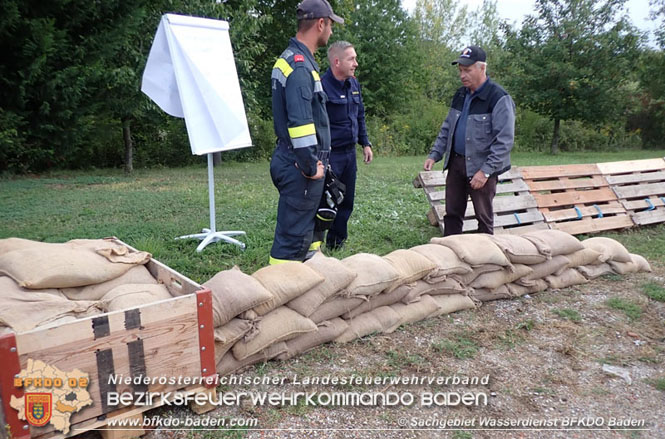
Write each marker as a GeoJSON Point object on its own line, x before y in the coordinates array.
{"type": "Point", "coordinates": [337, 277]}
{"type": "Point", "coordinates": [234, 292]}
{"type": "Point", "coordinates": [410, 265]}
{"type": "Point", "coordinates": [111, 250]}
{"type": "Point", "coordinates": [495, 279]}
{"type": "Point", "coordinates": [227, 335]}
{"type": "Point", "coordinates": [278, 325]}
{"type": "Point", "coordinates": [568, 278]}
{"type": "Point", "coordinates": [326, 332]}
{"type": "Point", "coordinates": [138, 274]}
{"type": "Point", "coordinates": [519, 250]}
{"type": "Point", "coordinates": [641, 262]}
{"type": "Point", "coordinates": [285, 282]}
{"type": "Point", "coordinates": [416, 289]}
{"type": "Point", "coordinates": [10, 244]}
{"type": "Point", "coordinates": [335, 307]}
{"type": "Point", "coordinates": [556, 265]}
{"type": "Point", "coordinates": [486, 294]}
{"type": "Point", "coordinates": [229, 364]}
{"type": "Point", "coordinates": [132, 295]}
{"type": "Point", "coordinates": [424, 308]}
{"type": "Point", "coordinates": [610, 249]}
{"type": "Point", "coordinates": [383, 299]}
{"type": "Point", "coordinates": [553, 242]}
{"type": "Point", "coordinates": [623, 267]}
{"type": "Point", "coordinates": [466, 279]}
{"type": "Point", "coordinates": [534, 286]}
{"type": "Point", "coordinates": [377, 320]}
{"type": "Point", "coordinates": [592, 272]}
{"type": "Point", "coordinates": [22, 309]}
{"type": "Point", "coordinates": [58, 266]}
{"type": "Point", "coordinates": [474, 249]}
{"type": "Point", "coordinates": [450, 303]}
{"type": "Point", "coordinates": [374, 274]}
{"type": "Point", "coordinates": [448, 286]}
{"type": "Point", "coordinates": [586, 256]}
{"type": "Point", "coordinates": [445, 258]}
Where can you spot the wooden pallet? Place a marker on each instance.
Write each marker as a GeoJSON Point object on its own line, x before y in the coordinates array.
{"type": "Point", "coordinates": [575, 198]}
{"type": "Point", "coordinates": [515, 210]}
{"type": "Point", "coordinates": [640, 187]}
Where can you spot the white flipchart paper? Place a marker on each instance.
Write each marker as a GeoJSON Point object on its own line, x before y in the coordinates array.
{"type": "Point", "coordinates": [191, 73]}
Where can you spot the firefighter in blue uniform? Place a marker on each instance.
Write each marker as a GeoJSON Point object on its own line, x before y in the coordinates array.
{"type": "Point", "coordinates": [303, 133]}
{"type": "Point", "coordinates": [346, 112]}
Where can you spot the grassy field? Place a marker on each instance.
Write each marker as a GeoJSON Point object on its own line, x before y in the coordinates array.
{"type": "Point", "coordinates": [151, 207]}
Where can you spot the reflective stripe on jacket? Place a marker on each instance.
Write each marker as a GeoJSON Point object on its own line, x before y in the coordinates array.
{"type": "Point", "coordinates": [299, 106]}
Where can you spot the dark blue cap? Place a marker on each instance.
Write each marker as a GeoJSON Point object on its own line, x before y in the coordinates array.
{"type": "Point", "coordinates": [308, 9]}
{"type": "Point", "coordinates": [470, 55]}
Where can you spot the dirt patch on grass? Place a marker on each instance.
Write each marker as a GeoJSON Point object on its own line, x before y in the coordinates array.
{"type": "Point", "coordinates": [543, 354]}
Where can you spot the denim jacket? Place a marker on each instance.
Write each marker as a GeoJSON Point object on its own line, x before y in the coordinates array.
{"type": "Point", "coordinates": [490, 130]}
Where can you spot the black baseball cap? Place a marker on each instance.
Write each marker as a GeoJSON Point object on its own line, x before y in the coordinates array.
{"type": "Point", "coordinates": [317, 9]}
{"type": "Point", "coordinates": [470, 55]}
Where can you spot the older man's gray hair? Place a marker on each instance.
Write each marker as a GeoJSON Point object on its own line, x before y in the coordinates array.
{"type": "Point", "coordinates": [336, 48]}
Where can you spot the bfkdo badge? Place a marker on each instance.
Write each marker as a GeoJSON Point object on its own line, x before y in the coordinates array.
{"type": "Point", "coordinates": [38, 408]}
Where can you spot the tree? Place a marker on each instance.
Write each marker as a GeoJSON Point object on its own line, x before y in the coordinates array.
{"type": "Point", "coordinates": [570, 62]}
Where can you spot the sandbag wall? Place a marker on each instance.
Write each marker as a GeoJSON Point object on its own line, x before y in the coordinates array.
{"type": "Point", "coordinates": [284, 310]}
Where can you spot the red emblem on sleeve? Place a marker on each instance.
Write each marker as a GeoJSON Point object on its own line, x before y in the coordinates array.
{"type": "Point", "coordinates": [299, 58]}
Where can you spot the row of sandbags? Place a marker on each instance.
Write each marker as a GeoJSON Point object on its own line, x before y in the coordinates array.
{"type": "Point", "coordinates": [49, 283]}
{"type": "Point", "coordinates": [284, 310]}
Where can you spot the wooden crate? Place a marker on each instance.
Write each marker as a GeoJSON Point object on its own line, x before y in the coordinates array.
{"type": "Point", "coordinates": [169, 338]}
{"type": "Point", "coordinates": [575, 198]}
{"type": "Point", "coordinates": [515, 210]}
{"type": "Point", "coordinates": [640, 187]}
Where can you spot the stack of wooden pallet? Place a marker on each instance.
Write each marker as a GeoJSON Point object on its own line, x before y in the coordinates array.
{"type": "Point", "coordinates": [577, 199]}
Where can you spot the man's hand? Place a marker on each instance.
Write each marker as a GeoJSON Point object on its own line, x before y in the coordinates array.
{"type": "Point", "coordinates": [478, 180]}
{"type": "Point", "coordinates": [368, 155]}
{"type": "Point", "coordinates": [320, 171]}
{"type": "Point", "coordinates": [428, 164]}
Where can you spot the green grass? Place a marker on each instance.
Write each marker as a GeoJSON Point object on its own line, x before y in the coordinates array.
{"type": "Point", "coordinates": [151, 207]}
{"type": "Point", "coordinates": [459, 347]}
{"type": "Point", "coordinates": [568, 314]}
{"type": "Point", "coordinates": [632, 310]}
{"type": "Point", "coordinates": [658, 383]}
{"type": "Point", "coordinates": [654, 291]}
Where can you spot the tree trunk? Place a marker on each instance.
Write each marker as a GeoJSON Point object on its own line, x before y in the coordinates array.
{"type": "Point", "coordinates": [217, 158]}
{"type": "Point", "coordinates": [555, 137]}
{"type": "Point", "coordinates": [129, 146]}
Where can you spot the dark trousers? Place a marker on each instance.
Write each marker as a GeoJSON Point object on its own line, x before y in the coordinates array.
{"type": "Point", "coordinates": [458, 190]}
{"type": "Point", "coordinates": [343, 164]}
{"type": "Point", "coordinates": [299, 199]}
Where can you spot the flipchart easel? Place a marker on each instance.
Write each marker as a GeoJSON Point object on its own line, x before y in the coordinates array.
{"type": "Point", "coordinates": [191, 73]}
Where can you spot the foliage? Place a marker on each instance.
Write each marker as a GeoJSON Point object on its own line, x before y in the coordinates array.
{"type": "Point", "coordinates": [571, 60]}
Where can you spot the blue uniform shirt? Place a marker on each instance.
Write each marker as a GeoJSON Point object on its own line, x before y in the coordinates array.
{"type": "Point", "coordinates": [346, 111]}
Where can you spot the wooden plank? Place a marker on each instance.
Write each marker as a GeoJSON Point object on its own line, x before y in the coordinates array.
{"type": "Point", "coordinates": [592, 225]}
{"type": "Point", "coordinates": [543, 172]}
{"type": "Point", "coordinates": [567, 183]}
{"type": "Point", "coordinates": [576, 197]}
{"type": "Point", "coordinates": [646, 177]}
{"type": "Point", "coordinates": [642, 204]}
{"type": "Point", "coordinates": [611, 208]}
{"type": "Point", "coordinates": [507, 203]}
{"type": "Point", "coordinates": [626, 166]}
{"type": "Point", "coordinates": [649, 217]}
{"type": "Point", "coordinates": [640, 190]}
{"type": "Point", "coordinates": [432, 178]}
{"type": "Point", "coordinates": [517, 185]}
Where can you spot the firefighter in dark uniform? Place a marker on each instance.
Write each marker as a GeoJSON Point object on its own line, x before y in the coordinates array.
{"type": "Point", "coordinates": [303, 133]}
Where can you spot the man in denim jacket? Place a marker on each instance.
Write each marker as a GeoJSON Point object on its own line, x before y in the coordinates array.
{"type": "Point", "coordinates": [476, 139]}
